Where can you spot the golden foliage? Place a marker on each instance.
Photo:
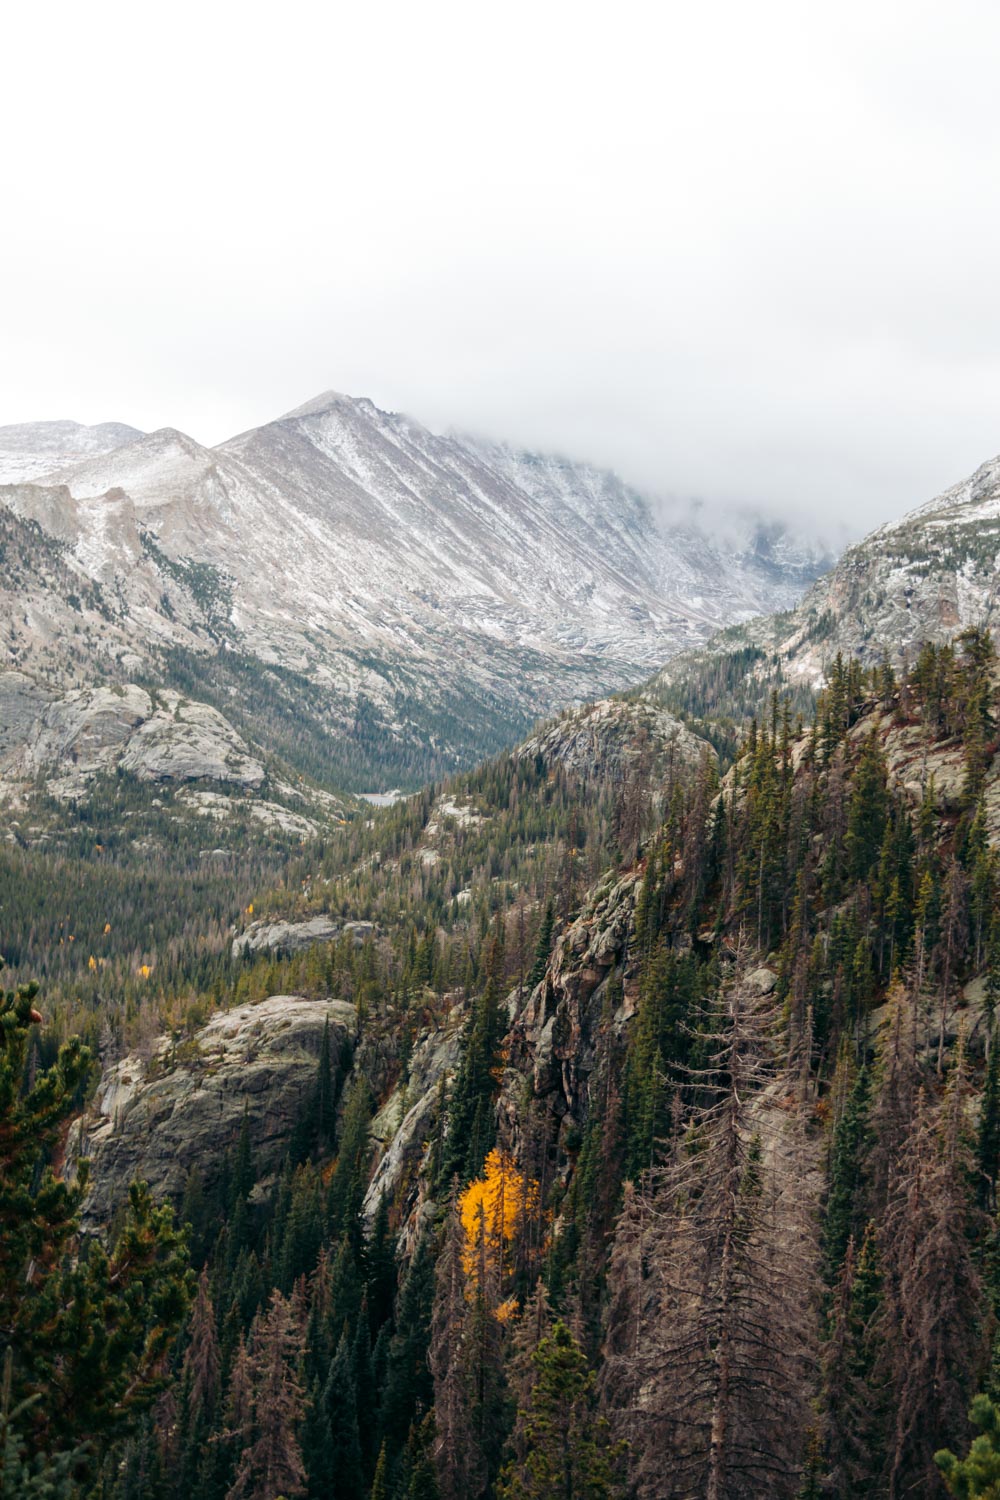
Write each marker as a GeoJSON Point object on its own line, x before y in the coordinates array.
{"type": "Point", "coordinates": [492, 1210]}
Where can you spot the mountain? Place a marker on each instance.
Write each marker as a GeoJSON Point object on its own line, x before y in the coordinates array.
{"type": "Point", "coordinates": [30, 449]}
{"type": "Point", "coordinates": [595, 1103]}
{"type": "Point", "coordinates": [372, 599]}
{"type": "Point", "coordinates": [499, 1074]}
{"type": "Point", "coordinates": [923, 578]}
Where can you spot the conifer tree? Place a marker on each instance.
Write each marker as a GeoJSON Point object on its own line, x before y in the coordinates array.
{"type": "Point", "coordinates": [21, 1477]}
{"type": "Point", "coordinates": [380, 1268]}
{"type": "Point", "coordinates": [459, 1460]}
{"type": "Point", "coordinates": [929, 1332]}
{"type": "Point", "coordinates": [350, 1179]}
{"type": "Point", "coordinates": [88, 1336]}
{"type": "Point", "coordinates": [709, 1348]}
{"type": "Point", "coordinates": [988, 1134]}
{"type": "Point", "coordinates": [868, 810]}
{"type": "Point", "coordinates": [332, 1446]}
{"type": "Point", "coordinates": [562, 1446]}
{"type": "Point", "coordinates": [408, 1384]}
{"type": "Point", "coordinates": [542, 946]}
{"type": "Point", "coordinates": [846, 1157]}
{"type": "Point", "coordinates": [977, 1476]}
{"type": "Point", "coordinates": [471, 1124]}
{"type": "Point", "coordinates": [380, 1481]}
{"type": "Point", "coordinates": [271, 1465]}
{"type": "Point", "coordinates": [854, 1410]}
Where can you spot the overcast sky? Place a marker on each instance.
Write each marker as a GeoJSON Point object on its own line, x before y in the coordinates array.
{"type": "Point", "coordinates": [748, 252]}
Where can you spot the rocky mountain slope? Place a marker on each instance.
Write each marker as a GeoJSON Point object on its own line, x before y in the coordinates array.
{"type": "Point", "coordinates": [558, 1030]}
{"type": "Point", "coordinates": [155, 1115]}
{"type": "Point", "coordinates": [31, 448]}
{"type": "Point", "coordinates": [923, 578]}
{"type": "Point", "coordinates": [57, 749]}
{"type": "Point", "coordinates": [343, 574]}
{"type": "Point", "coordinates": [774, 990]}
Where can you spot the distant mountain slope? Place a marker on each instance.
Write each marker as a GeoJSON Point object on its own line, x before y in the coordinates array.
{"type": "Point", "coordinates": [29, 449]}
{"type": "Point", "coordinates": [402, 600]}
{"type": "Point", "coordinates": [922, 578]}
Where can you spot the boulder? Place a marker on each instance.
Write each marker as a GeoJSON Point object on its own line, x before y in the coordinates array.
{"type": "Point", "coordinates": [604, 741]}
{"type": "Point", "coordinates": [762, 981]}
{"type": "Point", "coordinates": [183, 1107]}
{"type": "Point", "coordinates": [190, 742]}
{"type": "Point", "coordinates": [295, 937]}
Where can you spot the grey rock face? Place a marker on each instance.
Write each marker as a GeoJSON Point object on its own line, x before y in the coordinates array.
{"type": "Point", "coordinates": [762, 981]}
{"type": "Point", "coordinates": [183, 1108]}
{"type": "Point", "coordinates": [552, 1039]}
{"type": "Point", "coordinates": [71, 738]}
{"type": "Point", "coordinates": [405, 1123]}
{"type": "Point", "coordinates": [363, 550]}
{"type": "Point", "coordinates": [22, 704]}
{"type": "Point", "coordinates": [188, 742]}
{"type": "Point", "coordinates": [923, 578]}
{"type": "Point", "coordinates": [295, 937]}
{"type": "Point", "coordinates": [604, 741]}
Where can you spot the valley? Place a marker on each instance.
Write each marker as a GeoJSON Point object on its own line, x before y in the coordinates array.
{"type": "Point", "coordinates": [456, 1086]}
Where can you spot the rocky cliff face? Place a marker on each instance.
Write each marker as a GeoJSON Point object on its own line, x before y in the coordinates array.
{"type": "Point", "coordinates": [62, 742]}
{"type": "Point", "coordinates": [606, 741]}
{"type": "Point", "coordinates": [75, 736]}
{"type": "Point", "coordinates": [554, 1031]}
{"type": "Point", "coordinates": [405, 1124]}
{"type": "Point", "coordinates": [296, 937]}
{"type": "Point", "coordinates": [183, 1106]}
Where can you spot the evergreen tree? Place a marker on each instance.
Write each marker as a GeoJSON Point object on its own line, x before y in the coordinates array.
{"type": "Point", "coordinates": [88, 1334]}
{"type": "Point", "coordinates": [459, 1460]}
{"type": "Point", "coordinates": [333, 1444]}
{"type": "Point", "coordinates": [380, 1268]}
{"type": "Point", "coordinates": [868, 810]}
{"type": "Point", "coordinates": [846, 1157]}
{"type": "Point", "coordinates": [563, 1446]}
{"type": "Point", "coordinates": [471, 1124]}
{"type": "Point", "coordinates": [350, 1180]}
{"type": "Point", "coordinates": [21, 1477]}
{"type": "Point", "coordinates": [977, 1476]}
{"type": "Point", "coordinates": [408, 1385]}
{"type": "Point", "coordinates": [542, 947]}
{"type": "Point", "coordinates": [271, 1465]}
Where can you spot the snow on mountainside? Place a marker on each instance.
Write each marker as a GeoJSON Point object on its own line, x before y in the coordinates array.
{"type": "Point", "coordinates": [30, 449]}
{"type": "Point", "coordinates": [417, 587]}
{"type": "Point", "coordinates": [922, 578]}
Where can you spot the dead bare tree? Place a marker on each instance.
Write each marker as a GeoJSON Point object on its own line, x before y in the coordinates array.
{"type": "Point", "coordinates": [710, 1346]}
{"type": "Point", "coordinates": [930, 1334]}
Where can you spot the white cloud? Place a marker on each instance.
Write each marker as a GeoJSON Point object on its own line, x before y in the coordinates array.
{"type": "Point", "coordinates": [746, 252]}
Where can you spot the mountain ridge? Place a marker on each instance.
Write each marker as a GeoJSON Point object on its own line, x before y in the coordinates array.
{"type": "Point", "coordinates": [924, 577]}
{"type": "Point", "coordinates": [453, 589]}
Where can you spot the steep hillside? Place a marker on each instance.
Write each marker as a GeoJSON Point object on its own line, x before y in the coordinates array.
{"type": "Point", "coordinates": [580, 1071]}
{"type": "Point", "coordinates": [378, 601]}
{"type": "Point", "coordinates": [923, 578]}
